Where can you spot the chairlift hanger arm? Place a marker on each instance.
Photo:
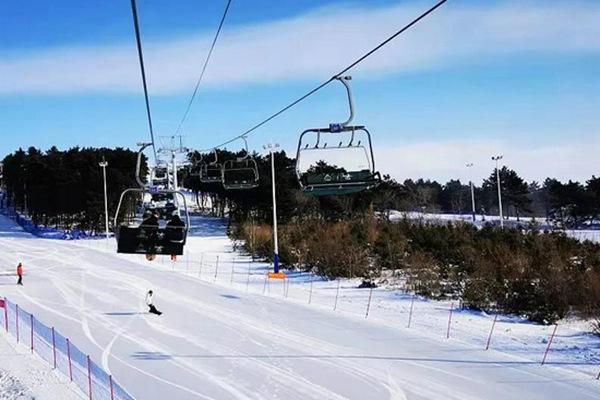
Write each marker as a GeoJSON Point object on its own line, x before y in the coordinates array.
{"type": "Point", "coordinates": [345, 81]}
{"type": "Point", "coordinates": [138, 166]}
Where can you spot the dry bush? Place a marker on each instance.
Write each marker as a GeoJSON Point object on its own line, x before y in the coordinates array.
{"type": "Point", "coordinates": [258, 239]}
{"type": "Point", "coordinates": [541, 276]}
{"type": "Point", "coordinates": [333, 252]}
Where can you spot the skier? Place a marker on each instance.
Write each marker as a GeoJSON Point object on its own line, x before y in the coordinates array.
{"type": "Point", "coordinates": [151, 308]}
{"type": "Point", "coordinates": [20, 274]}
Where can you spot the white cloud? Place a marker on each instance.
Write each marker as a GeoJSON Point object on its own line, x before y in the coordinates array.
{"type": "Point", "coordinates": [314, 45]}
{"type": "Point", "coordinates": [445, 160]}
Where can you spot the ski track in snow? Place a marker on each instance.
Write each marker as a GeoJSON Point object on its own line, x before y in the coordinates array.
{"type": "Point", "coordinates": [215, 342]}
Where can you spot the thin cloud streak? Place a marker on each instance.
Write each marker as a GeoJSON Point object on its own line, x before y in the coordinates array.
{"type": "Point", "coordinates": [312, 46]}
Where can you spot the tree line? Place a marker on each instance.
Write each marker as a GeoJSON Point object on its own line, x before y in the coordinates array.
{"type": "Point", "coordinates": [567, 205]}
{"type": "Point", "coordinates": [64, 189]}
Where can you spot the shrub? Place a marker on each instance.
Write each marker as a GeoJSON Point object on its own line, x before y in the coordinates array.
{"type": "Point", "coordinates": [541, 276]}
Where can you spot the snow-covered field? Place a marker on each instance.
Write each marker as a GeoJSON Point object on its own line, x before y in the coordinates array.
{"type": "Point", "coordinates": [592, 235]}
{"type": "Point", "coordinates": [24, 376]}
{"type": "Point", "coordinates": [227, 333]}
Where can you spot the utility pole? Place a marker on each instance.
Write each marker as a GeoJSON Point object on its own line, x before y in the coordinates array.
{"type": "Point", "coordinates": [270, 148]}
{"type": "Point", "coordinates": [496, 159]}
{"type": "Point", "coordinates": [103, 165]}
{"type": "Point", "coordinates": [470, 166]}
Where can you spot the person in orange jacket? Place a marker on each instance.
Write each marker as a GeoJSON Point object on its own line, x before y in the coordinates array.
{"type": "Point", "coordinates": [20, 274]}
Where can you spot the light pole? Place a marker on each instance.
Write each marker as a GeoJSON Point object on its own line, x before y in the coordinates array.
{"type": "Point", "coordinates": [470, 166]}
{"type": "Point", "coordinates": [496, 159]}
{"type": "Point", "coordinates": [103, 164]}
{"type": "Point", "coordinates": [270, 147]}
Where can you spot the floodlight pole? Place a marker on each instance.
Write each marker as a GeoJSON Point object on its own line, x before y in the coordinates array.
{"type": "Point", "coordinates": [104, 164]}
{"type": "Point", "coordinates": [470, 166]}
{"type": "Point", "coordinates": [270, 148]}
{"type": "Point", "coordinates": [496, 159]}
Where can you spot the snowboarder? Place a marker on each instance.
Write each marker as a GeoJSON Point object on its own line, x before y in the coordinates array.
{"type": "Point", "coordinates": [149, 303]}
{"type": "Point", "coordinates": [20, 274]}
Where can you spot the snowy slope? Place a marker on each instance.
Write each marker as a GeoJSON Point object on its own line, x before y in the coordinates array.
{"type": "Point", "coordinates": [25, 376]}
{"type": "Point", "coordinates": [219, 341]}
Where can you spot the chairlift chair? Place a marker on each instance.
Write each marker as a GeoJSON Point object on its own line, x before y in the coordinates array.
{"type": "Point", "coordinates": [240, 173]}
{"type": "Point", "coordinates": [211, 172]}
{"type": "Point", "coordinates": [337, 180]}
{"type": "Point", "coordinates": [145, 232]}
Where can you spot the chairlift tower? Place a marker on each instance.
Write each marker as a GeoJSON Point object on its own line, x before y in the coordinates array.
{"type": "Point", "coordinates": [172, 147]}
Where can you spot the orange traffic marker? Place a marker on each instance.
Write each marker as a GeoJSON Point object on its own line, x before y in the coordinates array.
{"type": "Point", "coordinates": [276, 275]}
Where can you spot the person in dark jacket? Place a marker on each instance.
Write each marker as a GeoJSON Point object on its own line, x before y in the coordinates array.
{"type": "Point", "coordinates": [20, 274]}
{"type": "Point", "coordinates": [149, 234]}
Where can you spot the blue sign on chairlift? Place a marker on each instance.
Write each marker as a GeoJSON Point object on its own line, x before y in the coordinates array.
{"type": "Point", "coordinates": [335, 127]}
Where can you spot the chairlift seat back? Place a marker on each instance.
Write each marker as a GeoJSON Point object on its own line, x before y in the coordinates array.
{"type": "Point", "coordinates": [211, 173]}
{"type": "Point", "coordinates": [240, 174]}
{"type": "Point", "coordinates": [150, 240]}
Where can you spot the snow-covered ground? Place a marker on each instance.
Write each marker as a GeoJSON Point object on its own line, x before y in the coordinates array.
{"type": "Point", "coordinates": [227, 333]}
{"type": "Point", "coordinates": [24, 376]}
{"type": "Point", "coordinates": [592, 235]}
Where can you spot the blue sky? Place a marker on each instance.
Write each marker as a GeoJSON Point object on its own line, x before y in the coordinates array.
{"type": "Point", "coordinates": [473, 80]}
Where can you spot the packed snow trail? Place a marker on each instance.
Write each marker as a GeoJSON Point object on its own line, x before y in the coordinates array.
{"type": "Point", "coordinates": [214, 342]}
{"type": "Point", "coordinates": [25, 376]}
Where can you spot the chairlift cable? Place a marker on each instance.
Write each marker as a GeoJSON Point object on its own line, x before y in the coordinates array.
{"type": "Point", "coordinates": [143, 71]}
{"type": "Point", "coordinates": [206, 61]}
{"type": "Point", "coordinates": [334, 77]}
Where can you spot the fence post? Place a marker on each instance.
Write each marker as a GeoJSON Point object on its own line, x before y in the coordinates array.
{"type": "Point", "coordinates": [17, 320]}
{"type": "Point", "coordinates": [265, 284]}
{"type": "Point", "coordinates": [412, 304]}
{"type": "Point", "coordinates": [69, 358]}
{"type": "Point", "coordinates": [54, 347]}
{"type": "Point", "coordinates": [216, 269]}
{"type": "Point", "coordinates": [187, 262]}
{"type": "Point", "coordinates": [337, 293]}
{"type": "Point", "coordinates": [201, 262]}
{"type": "Point", "coordinates": [283, 288]}
{"type": "Point", "coordinates": [598, 377]}
{"type": "Point", "coordinates": [89, 368]}
{"type": "Point", "coordinates": [31, 323]}
{"type": "Point", "coordinates": [311, 287]}
{"type": "Point", "coordinates": [232, 271]}
{"type": "Point", "coordinates": [248, 279]}
{"type": "Point", "coordinates": [487, 346]}
{"type": "Point", "coordinates": [449, 321]}
{"type": "Point", "coordinates": [287, 287]}
{"type": "Point", "coordinates": [549, 344]}
{"type": "Point", "coordinates": [112, 391]}
{"type": "Point", "coordinates": [369, 303]}
{"type": "Point", "coordinates": [6, 314]}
